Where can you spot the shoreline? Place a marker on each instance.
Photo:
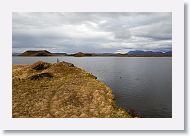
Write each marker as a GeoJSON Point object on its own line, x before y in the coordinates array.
{"type": "Point", "coordinates": [74, 92]}
{"type": "Point", "coordinates": [102, 56]}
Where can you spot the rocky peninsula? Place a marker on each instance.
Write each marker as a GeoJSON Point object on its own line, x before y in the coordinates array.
{"type": "Point", "coordinates": [60, 90]}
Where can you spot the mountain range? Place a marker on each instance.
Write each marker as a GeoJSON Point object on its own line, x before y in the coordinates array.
{"type": "Point", "coordinates": [140, 53]}
{"type": "Point", "coordinates": [136, 53]}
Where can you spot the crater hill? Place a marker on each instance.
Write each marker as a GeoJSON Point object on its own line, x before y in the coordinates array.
{"type": "Point", "coordinates": [36, 53]}
{"type": "Point", "coordinates": [60, 90]}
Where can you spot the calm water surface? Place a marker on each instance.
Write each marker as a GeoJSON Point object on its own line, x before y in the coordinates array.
{"type": "Point", "coordinates": [142, 84]}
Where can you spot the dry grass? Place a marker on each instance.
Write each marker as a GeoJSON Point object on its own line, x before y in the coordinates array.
{"type": "Point", "coordinates": [70, 93]}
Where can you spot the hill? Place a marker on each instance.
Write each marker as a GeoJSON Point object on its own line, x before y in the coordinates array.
{"type": "Point", "coordinates": [36, 53]}
{"type": "Point", "coordinates": [140, 53]}
{"type": "Point", "coordinates": [136, 53]}
{"type": "Point", "coordinates": [81, 54]}
{"type": "Point", "coordinates": [60, 90]}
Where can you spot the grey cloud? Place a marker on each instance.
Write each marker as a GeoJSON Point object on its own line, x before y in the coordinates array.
{"type": "Point", "coordinates": [92, 32]}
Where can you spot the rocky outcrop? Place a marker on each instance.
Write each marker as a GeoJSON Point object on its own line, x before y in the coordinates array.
{"type": "Point", "coordinates": [60, 90]}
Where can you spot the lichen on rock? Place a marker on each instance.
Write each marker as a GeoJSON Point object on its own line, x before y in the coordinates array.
{"type": "Point", "coordinates": [61, 90]}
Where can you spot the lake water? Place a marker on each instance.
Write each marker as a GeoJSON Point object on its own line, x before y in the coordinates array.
{"type": "Point", "coordinates": [140, 83]}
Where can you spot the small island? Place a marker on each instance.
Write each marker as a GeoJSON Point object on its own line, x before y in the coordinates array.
{"type": "Point", "coordinates": [136, 53]}
{"type": "Point", "coordinates": [36, 53]}
{"type": "Point", "coordinates": [60, 90]}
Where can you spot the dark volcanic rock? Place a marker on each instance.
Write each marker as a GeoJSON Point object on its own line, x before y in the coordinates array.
{"type": "Point", "coordinates": [41, 76]}
{"type": "Point", "coordinates": [40, 65]}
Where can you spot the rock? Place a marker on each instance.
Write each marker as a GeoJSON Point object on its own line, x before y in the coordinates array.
{"type": "Point", "coordinates": [40, 65]}
{"type": "Point", "coordinates": [41, 76]}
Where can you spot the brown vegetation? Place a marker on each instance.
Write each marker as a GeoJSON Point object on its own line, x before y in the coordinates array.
{"type": "Point", "coordinates": [60, 90]}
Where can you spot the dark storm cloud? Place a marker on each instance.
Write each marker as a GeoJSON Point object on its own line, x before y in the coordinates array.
{"type": "Point", "coordinates": [92, 32]}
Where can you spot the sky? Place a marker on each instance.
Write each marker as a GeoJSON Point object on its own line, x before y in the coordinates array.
{"type": "Point", "coordinates": [89, 32]}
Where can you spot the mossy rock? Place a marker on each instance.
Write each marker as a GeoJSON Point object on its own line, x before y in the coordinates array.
{"type": "Point", "coordinates": [41, 76]}
{"type": "Point", "coordinates": [40, 65]}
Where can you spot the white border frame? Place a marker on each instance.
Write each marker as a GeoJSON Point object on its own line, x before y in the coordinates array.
{"type": "Point", "coordinates": [174, 6]}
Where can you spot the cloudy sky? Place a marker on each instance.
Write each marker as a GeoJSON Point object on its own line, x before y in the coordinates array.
{"type": "Point", "coordinates": [92, 32]}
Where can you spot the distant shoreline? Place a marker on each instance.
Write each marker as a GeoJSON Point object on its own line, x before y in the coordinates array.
{"type": "Point", "coordinates": [101, 56]}
{"type": "Point", "coordinates": [45, 53]}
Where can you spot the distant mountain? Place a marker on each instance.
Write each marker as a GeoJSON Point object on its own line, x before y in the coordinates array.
{"type": "Point", "coordinates": [39, 53]}
{"type": "Point", "coordinates": [140, 53]}
{"type": "Point", "coordinates": [136, 53]}
{"type": "Point", "coordinates": [168, 53]}
{"type": "Point", "coordinates": [112, 54]}
{"type": "Point", "coordinates": [36, 53]}
{"type": "Point", "coordinates": [81, 54]}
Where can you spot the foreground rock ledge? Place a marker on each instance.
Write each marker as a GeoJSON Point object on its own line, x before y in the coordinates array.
{"type": "Point", "coordinates": [61, 90]}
